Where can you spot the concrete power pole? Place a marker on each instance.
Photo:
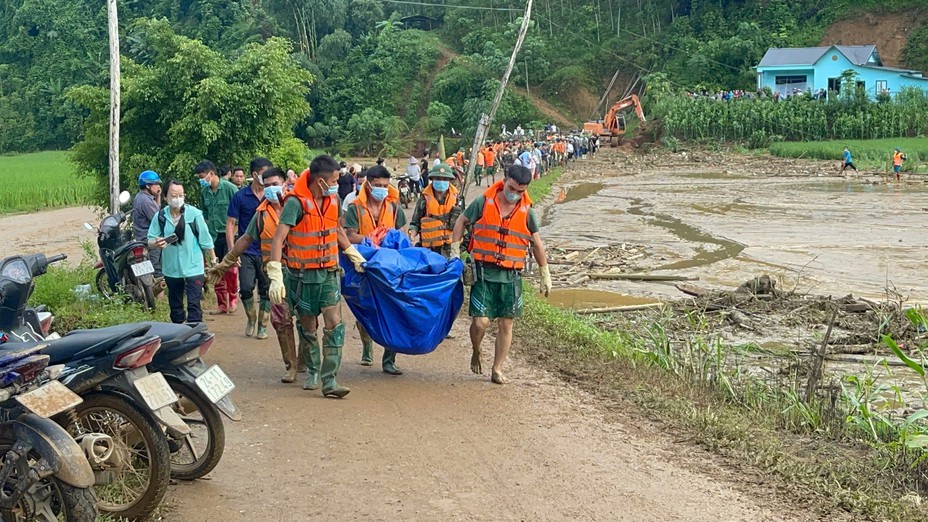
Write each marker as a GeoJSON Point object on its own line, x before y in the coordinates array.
{"type": "Point", "coordinates": [113, 23]}
{"type": "Point", "coordinates": [483, 126]}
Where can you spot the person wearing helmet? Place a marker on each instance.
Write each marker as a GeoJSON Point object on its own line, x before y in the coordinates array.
{"type": "Point", "coordinates": [436, 212]}
{"type": "Point", "coordinates": [146, 204]}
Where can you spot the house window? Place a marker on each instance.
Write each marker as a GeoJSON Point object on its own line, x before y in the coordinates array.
{"type": "Point", "coordinates": [834, 84]}
{"type": "Point", "coordinates": [881, 86]}
{"type": "Point", "coordinates": [789, 80]}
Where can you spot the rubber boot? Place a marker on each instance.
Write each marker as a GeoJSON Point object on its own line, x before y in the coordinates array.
{"type": "Point", "coordinates": [389, 363]}
{"type": "Point", "coordinates": [288, 352]}
{"type": "Point", "coordinates": [301, 357]}
{"type": "Point", "coordinates": [312, 357]}
{"type": "Point", "coordinates": [332, 342]}
{"type": "Point", "coordinates": [264, 311]}
{"type": "Point", "coordinates": [252, 316]}
{"type": "Point", "coordinates": [367, 347]}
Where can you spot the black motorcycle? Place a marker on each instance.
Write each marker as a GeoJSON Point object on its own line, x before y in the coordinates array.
{"type": "Point", "coordinates": [121, 399]}
{"type": "Point", "coordinates": [44, 473]}
{"type": "Point", "coordinates": [203, 392]}
{"type": "Point", "coordinates": [124, 266]}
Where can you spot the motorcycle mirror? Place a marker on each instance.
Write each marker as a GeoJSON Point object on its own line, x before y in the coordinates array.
{"type": "Point", "coordinates": [88, 226]}
{"type": "Point", "coordinates": [124, 197]}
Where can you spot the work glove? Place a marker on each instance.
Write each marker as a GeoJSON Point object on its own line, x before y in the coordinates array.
{"type": "Point", "coordinates": [545, 280]}
{"type": "Point", "coordinates": [216, 272]}
{"type": "Point", "coordinates": [456, 250]}
{"type": "Point", "coordinates": [356, 258]}
{"type": "Point", "coordinates": [278, 292]}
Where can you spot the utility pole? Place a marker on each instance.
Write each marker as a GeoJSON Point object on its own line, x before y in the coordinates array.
{"type": "Point", "coordinates": [487, 119]}
{"type": "Point", "coordinates": [113, 23]}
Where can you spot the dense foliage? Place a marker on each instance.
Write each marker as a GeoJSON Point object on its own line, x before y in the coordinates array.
{"type": "Point", "coordinates": [402, 80]}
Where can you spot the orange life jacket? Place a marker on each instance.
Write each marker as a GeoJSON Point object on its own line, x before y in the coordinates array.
{"type": "Point", "coordinates": [313, 243]}
{"type": "Point", "coordinates": [433, 227]}
{"type": "Point", "coordinates": [450, 161]}
{"type": "Point", "coordinates": [489, 157]}
{"type": "Point", "coordinates": [459, 157]}
{"type": "Point", "coordinates": [387, 218]}
{"type": "Point", "coordinates": [498, 240]}
{"type": "Point", "coordinates": [266, 220]}
{"type": "Point", "coordinates": [897, 158]}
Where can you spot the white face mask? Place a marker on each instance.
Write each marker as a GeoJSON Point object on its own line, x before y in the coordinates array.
{"type": "Point", "coordinates": [176, 202]}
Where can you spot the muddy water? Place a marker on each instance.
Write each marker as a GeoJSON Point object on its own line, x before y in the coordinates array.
{"type": "Point", "coordinates": [822, 234]}
{"type": "Point", "coordinates": [580, 298]}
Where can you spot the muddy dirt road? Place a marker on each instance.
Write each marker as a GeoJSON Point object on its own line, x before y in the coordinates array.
{"type": "Point", "coordinates": [51, 232]}
{"type": "Point", "coordinates": [439, 443]}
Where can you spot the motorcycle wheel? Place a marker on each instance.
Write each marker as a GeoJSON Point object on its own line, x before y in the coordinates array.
{"type": "Point", "coordinates": [103, 284]}
{"type": "Point", "coordinates": [149, 294]}
{"type": "Point", "coordinates": [200, 451]}
{"type": "Point", "coordinates": [140, 484]}
{"type": "Point", "coordinates": [49, 499]}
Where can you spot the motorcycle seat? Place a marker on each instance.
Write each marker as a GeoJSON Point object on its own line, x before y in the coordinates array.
{"type": "Point", "coordinates": [83, 343]}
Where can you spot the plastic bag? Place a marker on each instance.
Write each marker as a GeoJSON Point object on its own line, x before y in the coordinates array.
{"type": "Point", "coordinates": [407, 298]}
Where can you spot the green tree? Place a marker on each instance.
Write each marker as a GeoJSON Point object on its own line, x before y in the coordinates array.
{"type": "Point", "coordinates": [190, 103]}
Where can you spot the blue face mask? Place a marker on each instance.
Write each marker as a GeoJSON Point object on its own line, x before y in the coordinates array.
{"type": "Point", "coordinates": [379, 193]}
{"type": "Point", "coordinates": [332, 190]}
{"type": "Point", "coordinates": [441, 186]}
{"type": "Point", "coordinates": [273, 193]}
{"type": "Point", "coordinates": [204, 184]}
{"type": "Point", "coordinates": [512, 197]}
{"type": "Point", "coordinates": [329, 190]}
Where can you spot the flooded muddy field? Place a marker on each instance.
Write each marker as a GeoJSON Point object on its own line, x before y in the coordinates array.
{"type": "Point", "coordinates": [724, 221]}
{"type": "Point", "coordinates": [688, 230]}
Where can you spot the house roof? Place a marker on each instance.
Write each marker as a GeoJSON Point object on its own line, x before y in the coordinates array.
{"type": "Point", "coordinates": [856, 54]}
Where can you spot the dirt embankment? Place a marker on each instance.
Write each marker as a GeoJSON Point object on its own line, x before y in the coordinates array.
{"type": "Point", "coordinates": [888, 31]}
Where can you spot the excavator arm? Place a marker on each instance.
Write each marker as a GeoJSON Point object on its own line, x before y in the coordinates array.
{"type": "Point", "coordinates": [611, 126]}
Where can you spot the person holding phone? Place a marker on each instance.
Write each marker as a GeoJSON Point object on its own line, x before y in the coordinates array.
{"type": "Point", "coordinates": [181, 233]}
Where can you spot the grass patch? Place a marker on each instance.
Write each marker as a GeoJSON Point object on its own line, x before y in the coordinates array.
{"type": "Point", "coordinates": [56, 290]}
{"type": "Point", "coordinates": [541, 187]}
{"type": "Point", "coordinates": [44, 180]}
{"type": "Point", "coordinates": [871, 154]}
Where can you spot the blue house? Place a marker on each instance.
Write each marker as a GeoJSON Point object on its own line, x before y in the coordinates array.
{"type": "Point", "coordinates": [816, 68]}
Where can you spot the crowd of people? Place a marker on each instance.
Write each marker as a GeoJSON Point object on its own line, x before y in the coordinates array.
{"type": "Point", "coordinates": [270, 242]}
{"type": "Point", "coordinates": [761, 94]}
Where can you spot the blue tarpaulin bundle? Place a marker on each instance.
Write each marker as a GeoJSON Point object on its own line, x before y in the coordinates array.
{"type": "Point", "coordinates": [407, 298]}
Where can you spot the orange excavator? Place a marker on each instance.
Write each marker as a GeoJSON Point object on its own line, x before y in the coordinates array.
{"type": "Point", "coordinates": [612, 126]}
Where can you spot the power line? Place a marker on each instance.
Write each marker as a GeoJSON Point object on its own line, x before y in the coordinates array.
{"type": "Point", "coordinates": [451, 6]}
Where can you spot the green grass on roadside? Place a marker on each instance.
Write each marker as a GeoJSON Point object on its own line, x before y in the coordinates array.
{"type": "Point", "coordinates": [540, 188]}
{"type": "Point", "coordinates": [56, 289]}
{"type": "Point", "coordinates": [43, 180]}
{"type": "Point", "coordinates": [869, 154]}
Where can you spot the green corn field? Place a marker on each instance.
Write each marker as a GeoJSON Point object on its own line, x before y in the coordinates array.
{"type": "Point", "coordinates": [760, 122]}
{"type": "Point", "coordinates": [871, 153]}
{"type": "Point", "coordinates": [42, 180]}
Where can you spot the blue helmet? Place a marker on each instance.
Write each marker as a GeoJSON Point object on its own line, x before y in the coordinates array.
{"type": "Point", "coordinates": [149, 177]}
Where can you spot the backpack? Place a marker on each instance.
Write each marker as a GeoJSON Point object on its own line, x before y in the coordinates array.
{"type": "Point", "coordinates": [162, 221]}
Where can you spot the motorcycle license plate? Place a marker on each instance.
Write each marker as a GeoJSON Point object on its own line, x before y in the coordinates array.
{"type": "Point", "coordinates": [49, 400]}
{"type": "Point", "coordinates": [156, 391]}
{"type": "Point", "coordinates": [215, 383]}
{"type": "Point", "coordinates": [143, 268]}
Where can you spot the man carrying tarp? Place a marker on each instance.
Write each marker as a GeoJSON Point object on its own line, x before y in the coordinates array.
{"type": "Point", "coordinates": [436, 212]}
{"type": "Point", "coordinates": [374, 212]}
{"type": "Point", "coordinates": [504, 229]}
{"type": "Point", "coordinates": [310, 230]}
{"type": "Point", "coordinates": [262, 227]}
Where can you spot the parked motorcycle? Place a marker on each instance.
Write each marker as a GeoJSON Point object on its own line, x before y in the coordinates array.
{"type": "Point", "coordinates": [203, 392]}
{"type": "Point", "coordinates": [124, 265]}
{"type": "Point", "coordinates": [120, 398]}
{"type": "Point", "coordinates": [406, 195]}
{"type": "Point", "coordinates": [44, 473]}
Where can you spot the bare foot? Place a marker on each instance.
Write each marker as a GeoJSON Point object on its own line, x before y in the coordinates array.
{"type": "Point", "coordinates": [498, 378]}
{"type": "Point", "coordinates": [475, 363]}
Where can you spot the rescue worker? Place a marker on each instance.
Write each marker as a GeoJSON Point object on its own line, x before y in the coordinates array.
{"type": "Point", "coordinates": [436, 212]}
{"type": "Point", "coordinates": [374, 210]}
{"type": "Point", "coordinates": [262, 227]}
{"type": "Point", "coordinates": [505, 228]}
{"type": "Point", "coordinates": [898, 158]}
{"type": "Point", "coordinates": [251, 271]}
{"type": "Point", "coordinates": [310, 229]}
{"type": "Point", "coordinates": [489, 163]}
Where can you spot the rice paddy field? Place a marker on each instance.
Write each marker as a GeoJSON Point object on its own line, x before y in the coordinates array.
{"type": "Point", "coordinates": [866, 153]}
{"type": "Point", "coordinates": [42, 180]}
